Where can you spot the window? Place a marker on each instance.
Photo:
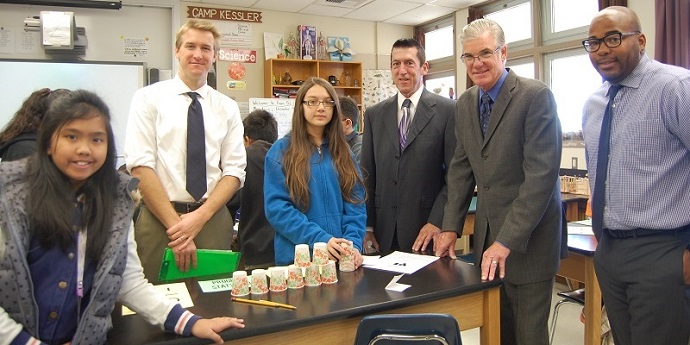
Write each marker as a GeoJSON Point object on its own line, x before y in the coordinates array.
{"type": "Point", "coordinates": [515, 18]}
{"type": "Point", "coordinates": [436, 36]}
{"type": "Point", "coordinates": [436, 43]}
{"type": "Point", "coordinates": [572, 80]}
{"type": "Point", "coordinates": [567, 19]}
{"type": "Point", "coordinates": [442, 86]}
{"type": "Point", "coordinates": [552, 52]}
{"type": "Point", "coordinates": [524, 68]}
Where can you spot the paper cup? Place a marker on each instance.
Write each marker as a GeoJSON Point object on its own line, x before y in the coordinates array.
{"type": "Point", "coordinates": [320, 253]}
{"type": "Point", "coordinates": [328, 273]}
{"type": "Point", "coordinates": [302, 257]}
{"type": "Point", "coordinates": [312, 277]}
{"type": "Point", "coordinates": [347, 258]}
{"type": "Point", "coordinates": [259, 282]}
{"type": "Point", "coordinates": [278, 279]}
{"type": "Point", "coordinates": [295, 280]}
{"type": "Point", "coordinates": [240, 283]}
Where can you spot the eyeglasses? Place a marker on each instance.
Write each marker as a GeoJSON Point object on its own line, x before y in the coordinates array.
{"type": "Point", "coordinates": [483, 56]}
{"type": "Point", "coordinates": [611, 40]}
{"type": "Point", "coordinates": [314, 103]}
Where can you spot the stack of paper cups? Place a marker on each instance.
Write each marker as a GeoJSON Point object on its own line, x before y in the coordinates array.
{"type": "Point", "coordinates": [328, 273]}
{"type": "Point", "coordinates": [295, 280]}
{"type": "Point", "coordinates": [320, 253]}
{"type": "Point", "coordinates": [259, 282]}
{"type": "Point", "coordinates": [278, 279]}
{"type": "Point", "coordinates": [302, 258]}
{"type": "Point", "coordinates": [312, 277]}
{"type": "Point", "coordinates": [240, 283]}
{"type": "Point", "coordinates": [347, 258]}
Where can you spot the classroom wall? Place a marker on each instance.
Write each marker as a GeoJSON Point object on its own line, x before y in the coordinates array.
{"type": "Point", "coordinates": [370, 41]}
{"type": "Point", "coordinates": [158, 21]}
{"type": "Point", "coordinates": [106, 30]}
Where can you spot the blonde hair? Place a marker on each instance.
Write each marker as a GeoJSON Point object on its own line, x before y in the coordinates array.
{"type": "Point", "coordinates": [202, 25]}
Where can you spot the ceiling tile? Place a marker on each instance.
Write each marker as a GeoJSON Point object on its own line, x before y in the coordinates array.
{"type": "Point", "coordinates": [456, 4]}
{"type": "Point", "coordinates": [239, 3]}
{"type": "Point", "coordinates": [330, 11]}
{"type": "Point", "coordinates": [380, 10]}
{"type": "Point", "coordinates": [282, 5]}
{"type": "Point", "coordinates": [420, 15]}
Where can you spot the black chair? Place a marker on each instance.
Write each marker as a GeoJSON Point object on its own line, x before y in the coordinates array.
{"type": "Point", "coordinates": [417, 328]}
{"type": "Point", "coordinates": [575, 296]}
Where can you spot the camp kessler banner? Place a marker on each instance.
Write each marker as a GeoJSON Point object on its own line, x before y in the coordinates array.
{"type": "Point", "coordinates": [223, 14]}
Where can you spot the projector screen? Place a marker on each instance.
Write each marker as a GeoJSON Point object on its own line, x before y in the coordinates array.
{"type": "Point", "coordinates": [115, 82]}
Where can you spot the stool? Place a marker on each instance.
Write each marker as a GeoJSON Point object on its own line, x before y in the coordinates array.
{"type": "Point", "coordinates": [574, 296]}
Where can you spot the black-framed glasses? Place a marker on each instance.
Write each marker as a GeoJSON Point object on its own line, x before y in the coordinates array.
{"type": "Point", "coordinates": [611, 40]}
{"type": "Point", "coordinates": [483, 56]}
{"type": "Point", "coordinates": [314, 103]}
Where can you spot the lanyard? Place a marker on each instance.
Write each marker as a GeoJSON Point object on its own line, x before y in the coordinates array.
{"type": "Point", "coordinates": [81, 259]}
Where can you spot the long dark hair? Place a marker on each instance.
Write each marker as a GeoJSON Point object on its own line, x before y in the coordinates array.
{"type": "Point", "coordinates": [297, 156]}
{"type": "Point", "coordinates": [50, 191]}
{"type": "Point", "coordinates": [30, 115]}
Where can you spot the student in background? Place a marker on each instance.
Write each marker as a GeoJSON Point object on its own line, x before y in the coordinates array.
{"type": "Point", "coordinates": [313, 189]}
{"type": "Point", "coordinates": [255, 232]}
{"type": "Point", "coordinates": [18, 138]}
{"type": "Point", "coordinates": [350, 119]}
{"type": "Point", "coordinates": [66, 217]}
{"type": "Point", "coordinates": [406, 179]}
{"type": "Point", "coordinates": [640, 207]}
{"type": "Point", "coordinates": [509, 148]}
{"type": "Point", "coordinates": [180, 212]}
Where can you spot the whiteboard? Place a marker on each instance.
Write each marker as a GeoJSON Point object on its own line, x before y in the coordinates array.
{"type": "Point", "coordinates": [281, 108]}
{"type": "Point", "coordinates": [114, 82]}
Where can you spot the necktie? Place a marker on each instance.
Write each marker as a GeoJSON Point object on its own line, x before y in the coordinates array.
{"type": "Point", "coordinates": [485, 111]}
{"type": "Point", "coordinates": [196, 149]}
{"type": "Point", "coordinates": [598, 196]}
{"type": "Point", "coordinates": [404, 123]}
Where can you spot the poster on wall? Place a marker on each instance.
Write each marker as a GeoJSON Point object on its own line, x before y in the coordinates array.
{"type": "Point", "coordinates": [307, 37]}
{"type": "Point", "coordinates": [235, 34]}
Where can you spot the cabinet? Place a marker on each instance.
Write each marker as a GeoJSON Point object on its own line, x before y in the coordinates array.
{"type": "Point", "coordinates": [348, 76]}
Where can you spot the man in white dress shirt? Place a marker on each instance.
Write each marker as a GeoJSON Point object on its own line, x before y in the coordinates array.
{"type": "Point", "coordinates": [156, 153]}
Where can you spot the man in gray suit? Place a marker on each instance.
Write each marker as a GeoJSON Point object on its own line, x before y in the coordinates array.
{"type": "Point", "coordinates": [513, 159]}
{"type": "Point", "coordinates": [405, 165]}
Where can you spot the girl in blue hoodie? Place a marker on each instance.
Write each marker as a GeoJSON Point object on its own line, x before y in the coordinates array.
{"type": "Point", "coordinates": [313, 190]}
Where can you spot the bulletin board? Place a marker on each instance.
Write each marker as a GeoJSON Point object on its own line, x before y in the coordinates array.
{"type": "Point", "coordinates": [281, 108]}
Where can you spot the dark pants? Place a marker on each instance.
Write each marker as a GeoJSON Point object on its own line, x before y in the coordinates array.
{"type": "Point", "coordinates": [525, 313]}
{"type": "Point", "coordinates": [642, 284]}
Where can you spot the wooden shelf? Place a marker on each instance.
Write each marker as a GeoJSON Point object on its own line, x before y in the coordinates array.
{"type": "Point", "coordinates": [275, 69]}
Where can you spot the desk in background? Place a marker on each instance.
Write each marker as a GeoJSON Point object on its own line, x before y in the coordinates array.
{"type": "Point", "coordinates": [579, 265]}
{"type": "Point", "coordinates": [575, 206]}
{"type": "Point", "coordinates": [331, 313]}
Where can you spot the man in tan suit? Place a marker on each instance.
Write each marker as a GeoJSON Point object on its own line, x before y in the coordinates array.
{"type": "Point", "coordinates": [509, 146]}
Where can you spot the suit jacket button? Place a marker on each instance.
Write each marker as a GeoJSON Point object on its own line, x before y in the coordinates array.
{"type": "Point", "coordinates": [395, 181]}
{"type": "Point", "coordinates": [486, 188]}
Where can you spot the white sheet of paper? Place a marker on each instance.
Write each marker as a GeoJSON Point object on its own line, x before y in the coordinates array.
{"type": "Point", "coordinates": [370, 259]}
{"type": "Point", "coordinates": [216, 285]}
{"type": "Point", "coordinates": [400, 262]}
{"type": "Point", "coordinates": [579, 230]}
{"type": "Point", "coordinates": [57, 28]}
{"type": "Point", "coordinates": [395, 286]}
{"type": "Point", "coordinates": [177, 292]}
